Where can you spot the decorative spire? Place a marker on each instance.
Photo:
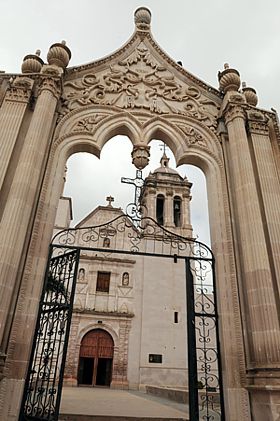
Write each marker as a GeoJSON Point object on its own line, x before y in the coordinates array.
{"type": "Point", "coordinates": [164, 162]}
{"type": "Point", "coordinates": [142, 18]}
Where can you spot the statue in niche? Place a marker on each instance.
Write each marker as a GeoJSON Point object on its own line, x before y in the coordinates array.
{"type": "Point", "coordinates": [106, 242]}
{"type": "Point", "coordinates": [81, 275]}
{"type": "Point", "coordinates": [125, 279]}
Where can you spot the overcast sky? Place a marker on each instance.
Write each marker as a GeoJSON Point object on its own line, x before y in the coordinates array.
{"type": "Point", "coordinates": [202, 34]}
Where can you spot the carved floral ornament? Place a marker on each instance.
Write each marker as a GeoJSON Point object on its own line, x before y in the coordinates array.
{"type": "Point", "coordinates": [139, 82]}
{"type": "Point", "coordinates": [193, 136]}
{"type": "Point", "coordinates": [87, 124]}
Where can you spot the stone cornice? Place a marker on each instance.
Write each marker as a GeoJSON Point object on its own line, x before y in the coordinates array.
{"type": "Point", "coordinates": [20, 90]}
{"type": "Point", "coordinates": [102, 259]}
{"type": "Point", "coordinates": [276, 127]}
{"type": "Point", "coordinates": [107, 314]}
{"type": "Point", "coordinates": [257, 123]}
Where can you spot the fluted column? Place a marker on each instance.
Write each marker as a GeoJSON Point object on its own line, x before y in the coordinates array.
{"type": "Point", "coordinates": [269, 187]}
{"type": "Point", "coordinates": [11, 115]}
{"type": "Point", "coordinates": [262, 324]}
{"type": "Point", "coordinates": [24, 189]}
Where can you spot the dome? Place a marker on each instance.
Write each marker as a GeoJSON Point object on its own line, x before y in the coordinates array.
{"type": "Point", "coordinates": [164, 167]}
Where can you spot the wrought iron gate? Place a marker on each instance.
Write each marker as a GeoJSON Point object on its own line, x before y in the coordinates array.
{"type": "Point", "coordinates": [44, 380]}
{"type": "Point", "coordinates": [42, 392]}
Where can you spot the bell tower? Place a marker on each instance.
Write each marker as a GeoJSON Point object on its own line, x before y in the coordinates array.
{"type": "Point", "coordinates": [166, 198]}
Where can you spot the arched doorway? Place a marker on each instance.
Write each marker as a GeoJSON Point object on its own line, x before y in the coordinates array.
{"type": "Point", "coordinates": [95, 359]}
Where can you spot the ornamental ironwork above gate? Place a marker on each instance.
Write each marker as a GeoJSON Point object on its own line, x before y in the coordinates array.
{"type": "Point", "coordinates": [148, 237]}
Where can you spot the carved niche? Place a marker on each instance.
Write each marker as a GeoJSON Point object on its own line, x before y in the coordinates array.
{"type": "Point", "coordinates": [139, 82]}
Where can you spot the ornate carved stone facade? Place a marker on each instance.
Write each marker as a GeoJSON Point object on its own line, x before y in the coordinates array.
{"type": "Point", "coordinates": [141, 92]}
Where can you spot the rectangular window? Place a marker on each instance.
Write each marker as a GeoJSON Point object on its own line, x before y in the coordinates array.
{"type": "Point", "coordinates": [155, 358]}
{"type": "Point", "coordinates": [103, 281]}
{"type": "Point", "coordinates": [176, 317]}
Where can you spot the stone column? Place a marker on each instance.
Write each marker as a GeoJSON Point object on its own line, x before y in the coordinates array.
{"type": "Point", "coordinates": [151, 202]}
{"type": "Point", "coordinates": [11, 116]}
{"type": "Point", "coordinates": [24, 190]}
{"type": "Point", "coordinates": [168, 210]}
{"type": "Point", "coordinates": [261, 320]}
{"type": "Point", "coordinates": [186, 219]}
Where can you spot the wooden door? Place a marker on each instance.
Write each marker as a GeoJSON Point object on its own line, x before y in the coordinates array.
{"type": "Point", "coordinates": [98, 346]}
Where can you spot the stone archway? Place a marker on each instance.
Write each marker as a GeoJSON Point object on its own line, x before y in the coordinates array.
{"type": "Point", "coordinates": [142, 93]}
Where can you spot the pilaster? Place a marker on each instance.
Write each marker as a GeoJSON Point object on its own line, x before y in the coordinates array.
{"type": "Point", "coordinates": [24, 190]}
{"type": "Point", "coordinates": [12, 112]}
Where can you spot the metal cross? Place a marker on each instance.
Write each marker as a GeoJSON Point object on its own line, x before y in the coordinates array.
{"type": "Point", "coordinates": [110, 199]}
{"type": "Point", "coordinates": [137, 182]}
{"type": "Point", "coordinates": [163, 147]}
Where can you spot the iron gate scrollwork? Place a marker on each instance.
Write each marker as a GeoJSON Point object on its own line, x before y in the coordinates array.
{"type": "Point", "coordinates": [42, 392]}
{"type": "Point", "coordinates": [146, 238]}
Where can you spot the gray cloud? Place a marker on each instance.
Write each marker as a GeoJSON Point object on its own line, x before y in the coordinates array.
{"type": "Point", "coordinates": [203, 35]}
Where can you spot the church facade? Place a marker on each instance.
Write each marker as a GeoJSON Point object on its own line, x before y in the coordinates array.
{"type": "Point", "coordinates": [128, 327]}
{"type": "Point", "coordinates": [51, 110]}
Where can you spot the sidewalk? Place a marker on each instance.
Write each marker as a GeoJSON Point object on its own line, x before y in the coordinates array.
{"type": "Point", "coordinates": [112, 403]}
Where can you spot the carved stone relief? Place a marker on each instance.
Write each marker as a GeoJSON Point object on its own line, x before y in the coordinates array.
{"type": "Point", "coordinates": [193, 136]}
{"type": "Point", "coordinates": [87, 124]}
{"type": "Point", "coordinates": [139, 82]}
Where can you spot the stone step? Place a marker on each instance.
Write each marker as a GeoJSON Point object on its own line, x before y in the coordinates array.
{"type": "Point", "coordinates": [173, 394]}
{"type": "Point", "coordinates": [77, 417]}
{"type": "Point", "coordinates": [179, 395]}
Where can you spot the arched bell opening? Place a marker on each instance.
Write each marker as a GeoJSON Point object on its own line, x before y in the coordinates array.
{"type": "Point", "coordinates": [160, 209]}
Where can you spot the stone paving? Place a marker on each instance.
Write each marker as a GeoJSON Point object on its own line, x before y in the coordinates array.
{"type": "Point", "coordinates": [111, 404]}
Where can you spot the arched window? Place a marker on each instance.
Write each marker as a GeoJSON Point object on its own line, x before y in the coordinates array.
{"type": "Point", "coordinates": [177, 205]}
{"type": "Point", "coordinates": [160, 209]}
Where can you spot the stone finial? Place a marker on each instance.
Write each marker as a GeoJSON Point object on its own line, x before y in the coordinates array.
{"type": "Point", "coordinates": [229, 79]}
{"type": "Point", "coordinates": [32, 63]}
{"type": "Point", "coordinates": [140, 156]}
{"type": "Point", "coordinates": [142, 18]}
{"type": "Point", "coordinates": [59, 55]}
{"type": "Point", "coordinates": [250, 95]}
